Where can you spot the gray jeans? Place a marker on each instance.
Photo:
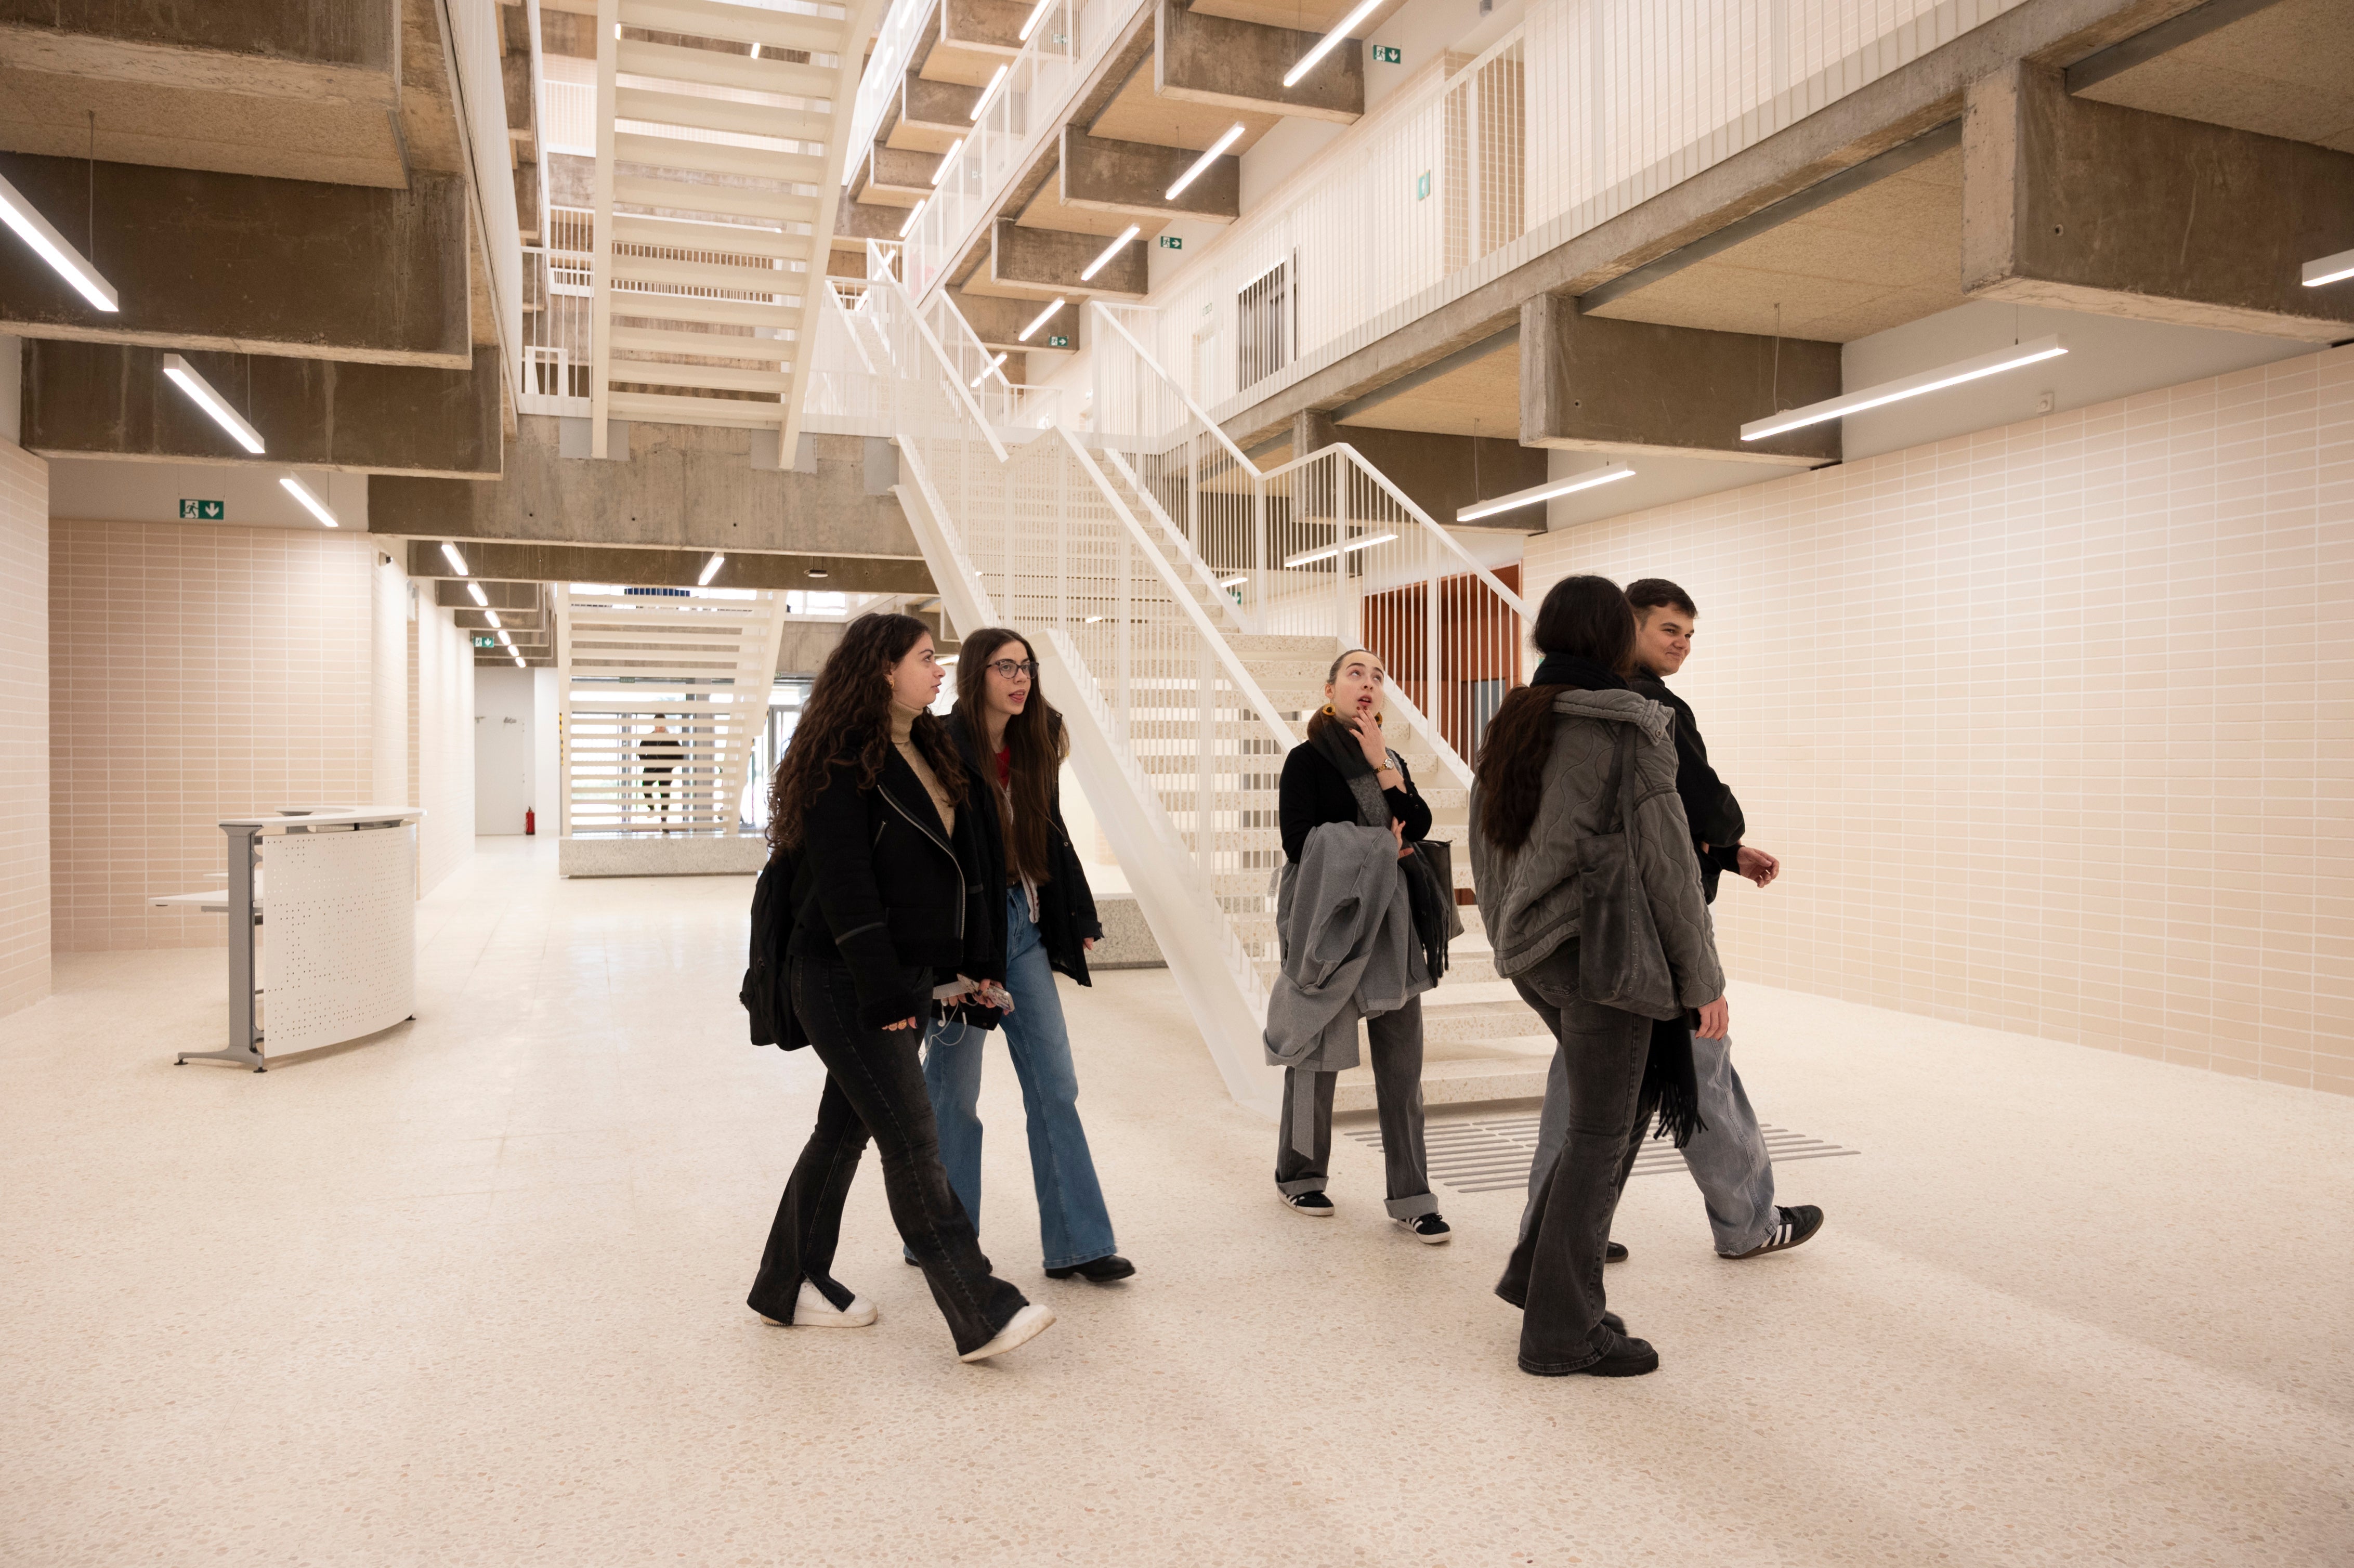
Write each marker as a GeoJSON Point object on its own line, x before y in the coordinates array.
{"type": "Point", "coordinates": [1729, 1161]}
{"type": "Point", "coordinates": [1394, 1040]}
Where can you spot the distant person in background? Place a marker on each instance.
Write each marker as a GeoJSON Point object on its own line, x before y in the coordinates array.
{"type": "Point", "coordinates": [659, 752]}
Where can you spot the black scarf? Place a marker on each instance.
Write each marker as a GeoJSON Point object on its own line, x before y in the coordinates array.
{"type": "Point", "coordinates": [1569, 670]}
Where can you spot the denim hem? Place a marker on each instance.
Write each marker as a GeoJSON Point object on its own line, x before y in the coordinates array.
{"type": "Point", "coordinates": [1412, 1208]}
{"type": "Point", "coordinates": [1304, 1184]}
{"type": "Point", "coordinates": [1076, 1262]}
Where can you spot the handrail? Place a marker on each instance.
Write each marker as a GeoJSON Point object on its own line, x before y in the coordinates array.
{"type": "Point", "coordinates": [955, 382]}
{"type": "Point", "coordinates": [842, 312]}
{"type": "Point", "coordinates": [1201, 571]}
{"type": "Point", "coordinates": [1183, 396]}
{"type": "Point", "coordinates": [1520, 605]}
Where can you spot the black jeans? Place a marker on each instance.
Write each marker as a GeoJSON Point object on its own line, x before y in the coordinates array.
{"type": "Point", "coordinates": [1555, 1273]}
{"type": "Point", "coordinates": [874, 1087]}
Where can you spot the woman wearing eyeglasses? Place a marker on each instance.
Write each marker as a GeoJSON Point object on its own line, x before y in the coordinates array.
{"type": "Point", "coordinates": [1012, 735]}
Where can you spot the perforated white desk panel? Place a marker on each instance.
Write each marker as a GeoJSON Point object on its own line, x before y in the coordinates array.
{"type": "Point", "coordinates": [339, 960]}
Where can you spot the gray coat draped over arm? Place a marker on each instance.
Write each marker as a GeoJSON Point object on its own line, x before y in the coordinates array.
{"type": "Point", "coordinates": [1529, 899]}
{"type": "Point", "coordinates": [1349, 947]}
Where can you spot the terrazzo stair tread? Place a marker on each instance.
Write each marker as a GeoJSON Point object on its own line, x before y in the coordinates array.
{"type": "Point", "coordinates": [1454, 1023]}
{"type": "Point", "coordinates": [1458, 1081]}
{"type": "Point", "coordinates": [1249, 645]}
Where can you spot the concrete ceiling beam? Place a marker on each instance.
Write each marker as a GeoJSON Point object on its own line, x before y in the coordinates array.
{"type": "Point", "coordinates": [104, 399]}
{"type": "Point", "coordinates": [249, 265]}
{"type": "Point", "coordinates": [999, 323]}
{"type": "Point", "coordinates": [2091, 206]}
{"type": "Point", "coordinates": [1593, 383]}
{"type": "Point", "coordinates": [503, 597]}
{"type": "Point", "coordinates": [670, 568]}
{"type": "Point", "coordinates": [285, 88]}
{"type": "Point", "coordinates": [893, 177]}
{"type": "Point", "coordinates": [1241, 65]}
{"type": "Point", "coordinates": [943, 108]}
{"type": "Point", "coordinates": [982, 27]}
{"type": "Point", "coordinates": [856, 222]}
{"type": "Point", "coordinates": [518, 621]}
{"type": "Point", "coordinates": [1134, 177]}
{"type": "Point", "coordinates": [682, 487]}
{"type": "Point", "coordinates": [1048, 259]}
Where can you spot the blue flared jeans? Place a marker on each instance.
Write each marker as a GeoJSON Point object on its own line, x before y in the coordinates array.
{"type": "Point", "coordinates": [1072, 1225]}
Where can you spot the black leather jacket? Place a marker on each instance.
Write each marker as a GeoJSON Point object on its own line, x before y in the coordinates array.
{"type": "Point", "coordinates": [879, 884]}
{"type": "Point", "coordinates": [1066, 906]}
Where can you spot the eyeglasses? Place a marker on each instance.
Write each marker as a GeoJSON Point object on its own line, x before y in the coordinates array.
{"type": "Point", "coordinates": [1010, 669]}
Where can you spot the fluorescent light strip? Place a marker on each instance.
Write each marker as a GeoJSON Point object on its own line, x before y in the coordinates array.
{"type": "Point", "coordinates": [985, 369]}
{"type": "Point", "coordinates": [1095, 620]}
{"type": "Point", "coordinates": [1217, 148]}
{"type": "Point", "coordinates": [2329, 270]}
{"type": "Point", "coordinates": [1330, 551]}
{"type": "Point", "coordinates": [1953, 374]}
{"type": "Point", "coordinates": [1114, 249]}
{"type": "Point", "coordinates": [914, 217]}
{"type": "Point", "coordinates": [50, 246]}
{"type": "Point", "coordinates": [456, 562]}
{"type": "Point", "coordinates": [946, 159]}
{"type": "Point", "coordinates": [480, 597]}
{"type": "Point", "coordinates": [1037, 15]}
{"type": "Point", "coordinates": [1042, 319]}
{"type": "Point", "coordinates": [1537, 493]}
{"type": "Point", "coordinates": [1330, 41]}
{"type": "Point", "coordinates": [492, 616]}
{"type": "Point", "coordinates": [981, 103]}
{"type": "Point", "coordinates": [1232, 582]}
{"type": "Point", "coordinates": [200, 392]}
{"type": "Point", "coordinates": [710, 570]}
{"type": "Point", "coordinates": [311, 503]}
{"type": "Point", "coordinates": [944, 664]}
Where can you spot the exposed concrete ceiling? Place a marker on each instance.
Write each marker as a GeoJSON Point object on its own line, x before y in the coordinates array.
{"type": "Point", "coordinates": [2284, 69]}
{"type": "Point", "coordinates": [1882, 254]}
{"type": "Point", "coordinates": [1137, 113]}
{"type": "Point", "coordinates": [1301, 16]}
{"type": "Point", "coordinates": [1476, 392]}
{"type": "Point", "coordinates": [1045, 210]}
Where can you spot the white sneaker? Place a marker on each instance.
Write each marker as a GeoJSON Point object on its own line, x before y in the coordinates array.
{"type": "Point", "coordinates": [1025, 1326]}
{"type": "Point", "coordinates": [812, 1310]}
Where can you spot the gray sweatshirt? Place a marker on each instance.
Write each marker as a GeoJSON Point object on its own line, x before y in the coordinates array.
{"type": "Point", "coordinates": [1530, 899]}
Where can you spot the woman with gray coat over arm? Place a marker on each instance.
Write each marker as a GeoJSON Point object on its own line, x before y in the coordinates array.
{"type": "Point", "coordinates": [1584, 870]}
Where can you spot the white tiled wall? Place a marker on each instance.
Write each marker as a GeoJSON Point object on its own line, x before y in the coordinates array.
{"type": "Point", "coordinates": [25, 933]}
{"type": "Point", "coordinates": [197, 672]}
{"type": "Point", "coordinates": [2053, 725]}
{"type": "Point", "coordinates": [445, 742]}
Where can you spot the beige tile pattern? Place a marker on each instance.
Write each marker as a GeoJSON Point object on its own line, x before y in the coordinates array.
{"type": "Point", "coordinates": [196, 671]}
{"type": "Point", "coordinates": [24, 726]}
{"type": "Point", "coordinates": [2053, 725]}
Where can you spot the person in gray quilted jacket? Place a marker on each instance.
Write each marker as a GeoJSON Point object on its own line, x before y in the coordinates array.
{"type": "Point", "coordinates": [1551, 774]}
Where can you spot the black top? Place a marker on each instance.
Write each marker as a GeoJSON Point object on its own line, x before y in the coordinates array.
{"type": "Point", "coordinates": [1313, 793]}
{"type": "Point", "coordinates": [1709, 806]}
{"type": "Point", "coordinates": [877, 885]}
{"type": "Point", "coordinates": [1066, 906]}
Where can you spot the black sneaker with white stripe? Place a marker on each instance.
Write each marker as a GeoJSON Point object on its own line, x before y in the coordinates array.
{"type": "Point", "coordinates": [1315, 1206]}
{"type": "Point", "coordinates": [1429, 1229]}
{"type": "Point", "coordinates": [1798, 1226]}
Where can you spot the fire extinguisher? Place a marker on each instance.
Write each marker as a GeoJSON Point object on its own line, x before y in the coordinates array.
{"type": "Point", "coordinates": [530, 822]}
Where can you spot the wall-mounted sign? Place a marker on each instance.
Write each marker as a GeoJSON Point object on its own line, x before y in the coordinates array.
{"type": "Point", "coordinates": [205, 510]}
{"type": "Point", "coordinates": [1172, 242]}
{"type": "Point", "coordinates": [484, 639]}
{"type": "Point", "coordinates": [1384, 54]}
{"type": "Point", "coordinates": [1422, 185]}
{"type": "Point", "coordinates": [1057, 340]}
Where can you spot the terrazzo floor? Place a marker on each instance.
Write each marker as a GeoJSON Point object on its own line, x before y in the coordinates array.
{"type": "Point", "coordinates": [470, 1293]}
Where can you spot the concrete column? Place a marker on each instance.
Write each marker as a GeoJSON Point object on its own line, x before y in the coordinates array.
{"type": "Point", "coordinates": [94, 399]}
{"type": "Point", "coordinates": [2092, 206]}
{"type": "Point", "coordinates": [1049, 258]}
{"type": "Point", "coordinates": [1589, 383]}
{"type": "Point", "coordinates": [1241, 65]}
{"type": "Point", "coordinates": [249, 265]}
{"type": "Point", "coordinates": [1135, 176]}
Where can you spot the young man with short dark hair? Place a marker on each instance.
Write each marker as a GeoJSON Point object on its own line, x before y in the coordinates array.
{"type": "Point", "coordinates": [1728, 1158]}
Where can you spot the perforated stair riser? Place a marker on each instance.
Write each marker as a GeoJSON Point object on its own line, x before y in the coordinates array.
{"type": "Point", "coordinates": [1493, 1153]}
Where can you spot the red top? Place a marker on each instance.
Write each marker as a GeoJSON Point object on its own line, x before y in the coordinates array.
{"type": "Point", "coordinates": [1005, 765]}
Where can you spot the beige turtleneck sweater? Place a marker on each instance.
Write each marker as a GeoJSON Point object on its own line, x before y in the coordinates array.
{"type": "Point", "coordinates": [902, 721]}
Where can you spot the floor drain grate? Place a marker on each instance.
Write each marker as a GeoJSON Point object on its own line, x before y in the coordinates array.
{"type": "Point", "coordinates": [1493, 1154]}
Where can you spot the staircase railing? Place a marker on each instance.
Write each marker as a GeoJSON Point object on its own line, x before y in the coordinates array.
{"type": "Point", "coordinates": [1324, 546]}
{"type": "Point", "coordinates": [1172, 738]}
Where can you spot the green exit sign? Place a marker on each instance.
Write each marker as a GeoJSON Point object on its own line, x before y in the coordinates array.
{"type": "Point", "coordinates": [1057, 340]}
{"type": "Point", "coordinates": [1172, 242]}
{"type": "Point", "coordinates": [1384, 54]}
{"type": "Point", "coordinates": [205, 510]}
{"type": "Point", "coordinates": [1422, 185]}
{"type": "Point", "coordinates": [484, 639]}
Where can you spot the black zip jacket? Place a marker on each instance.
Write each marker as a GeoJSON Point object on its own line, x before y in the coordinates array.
{"type": "Point", "coordinates": [1313, 793]}
{"type": "Point", "coordinates": [878, 884]}
{"type": "Point", "coordinates": [1709, 806]}
{"type": "Point", "coordinates": [1066, 906]}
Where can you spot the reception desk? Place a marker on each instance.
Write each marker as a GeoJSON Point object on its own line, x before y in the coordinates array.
{"type": "Point", "coordinates": [339, 960]}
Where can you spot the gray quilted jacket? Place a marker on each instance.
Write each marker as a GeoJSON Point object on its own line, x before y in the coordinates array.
{"type": "Point", "coordinates": [1529, 899]}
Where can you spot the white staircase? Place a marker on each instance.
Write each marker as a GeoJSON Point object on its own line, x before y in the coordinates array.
{"type": "Point", "coordinates": [1186, 608]}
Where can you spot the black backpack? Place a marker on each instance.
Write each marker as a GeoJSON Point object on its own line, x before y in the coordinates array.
{"type": "Point", "coordinates": [766, 996]}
